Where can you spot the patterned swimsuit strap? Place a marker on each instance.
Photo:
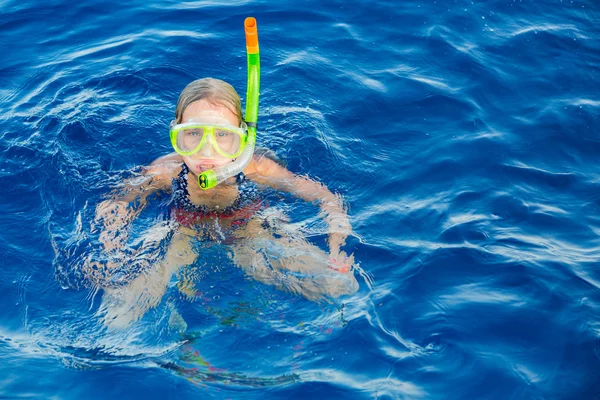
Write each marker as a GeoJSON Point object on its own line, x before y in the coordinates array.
{"type": "Point", "coordinates": [182, 199]}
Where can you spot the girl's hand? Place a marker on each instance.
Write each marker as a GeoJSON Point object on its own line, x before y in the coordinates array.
{"type": "Point", "coordinates": [340, 261]}
{"type": "Point", "coordinates": [114, 217]}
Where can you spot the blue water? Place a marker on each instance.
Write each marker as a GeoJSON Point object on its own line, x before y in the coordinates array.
{"type": "Point", "coordinates": [463, 136]}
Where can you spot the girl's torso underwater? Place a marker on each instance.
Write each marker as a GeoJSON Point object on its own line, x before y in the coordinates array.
{"type": "Point", "coordinates": [214, 213]}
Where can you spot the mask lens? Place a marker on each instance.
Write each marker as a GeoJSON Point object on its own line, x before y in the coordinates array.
{"type": "Point", "coordinates": [227, 141]}
{"type": "Point", "coordinates": [189, 139]}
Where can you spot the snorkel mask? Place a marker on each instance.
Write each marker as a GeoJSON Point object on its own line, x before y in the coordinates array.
{"type": "Point", "coordinates": [230, 142]}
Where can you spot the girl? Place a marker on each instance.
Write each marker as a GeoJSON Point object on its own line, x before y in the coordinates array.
{"type": "Point", "coordinates": [209, 130]}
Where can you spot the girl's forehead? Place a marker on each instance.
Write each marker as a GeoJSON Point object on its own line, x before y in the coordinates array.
{"type": "Point", "coordinates": [204, 109]}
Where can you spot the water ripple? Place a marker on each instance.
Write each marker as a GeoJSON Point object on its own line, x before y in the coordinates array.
{"type": "Point", "coordinates": [463, 137]}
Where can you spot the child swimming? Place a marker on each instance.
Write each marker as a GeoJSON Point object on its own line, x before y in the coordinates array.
{"type": "Point", "coordinates": [214, 179]}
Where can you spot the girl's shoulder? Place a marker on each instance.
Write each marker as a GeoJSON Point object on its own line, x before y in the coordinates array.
{"type": "Point", "coordinates": [167, 167]}
{"type": "Point", "coordinates": [266, 167]}
{"type": "Point", "coordinates": [262, 153]}
{"type": "Point", "coordinates": [257, 162]}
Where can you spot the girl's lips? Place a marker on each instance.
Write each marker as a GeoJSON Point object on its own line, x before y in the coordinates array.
{"type": "Point", "coordinates": [204, 167]}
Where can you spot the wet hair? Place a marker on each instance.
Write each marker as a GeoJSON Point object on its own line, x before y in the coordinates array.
{"type": "Point", "coordinates": [215, 91]}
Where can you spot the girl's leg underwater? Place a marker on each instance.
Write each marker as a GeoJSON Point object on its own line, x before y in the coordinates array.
{"type": "Point", "coordinates": [126, 304]}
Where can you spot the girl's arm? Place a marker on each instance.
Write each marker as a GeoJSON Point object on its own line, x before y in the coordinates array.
{"type": "Point", "coordinates": [127, 201]}
{"type": "Point", "coordinates": [268, 172]}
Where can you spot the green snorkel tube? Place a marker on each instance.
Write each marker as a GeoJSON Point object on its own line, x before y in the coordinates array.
{"type": "Point", "coordinates": [211, 178]}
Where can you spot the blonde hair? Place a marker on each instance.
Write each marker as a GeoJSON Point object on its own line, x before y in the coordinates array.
{"type": "Point", "coordinates": [213, 90]}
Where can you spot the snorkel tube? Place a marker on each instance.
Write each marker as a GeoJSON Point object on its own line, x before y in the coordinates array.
{"type": "Point", "coordinates": [211, 178]}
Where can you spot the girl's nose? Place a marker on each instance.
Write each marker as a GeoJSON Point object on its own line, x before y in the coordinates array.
{"type": "Point", "coordinates": [206, 150]}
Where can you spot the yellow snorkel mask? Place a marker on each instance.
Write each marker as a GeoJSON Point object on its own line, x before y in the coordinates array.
{"type": "Point", "coordinates": [193, 137]}
{"type": "Point", "coordinates": [236, 143]}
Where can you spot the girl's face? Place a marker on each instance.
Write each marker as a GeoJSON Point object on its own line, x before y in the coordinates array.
{"type": "Point", "coordinates": [206, 112]}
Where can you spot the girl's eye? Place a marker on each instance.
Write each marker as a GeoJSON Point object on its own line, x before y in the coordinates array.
{"type": "Point", "coordinates": [194, 132]}
{"type": "Point", "coordinates": [222, 133]}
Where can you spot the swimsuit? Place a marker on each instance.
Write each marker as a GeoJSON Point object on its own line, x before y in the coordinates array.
{"type": "Point", "coordinates": [189, 214]}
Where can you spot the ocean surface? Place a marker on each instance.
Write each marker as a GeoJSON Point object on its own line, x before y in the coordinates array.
{"type": "Point", "coordinates": [463, 136]}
